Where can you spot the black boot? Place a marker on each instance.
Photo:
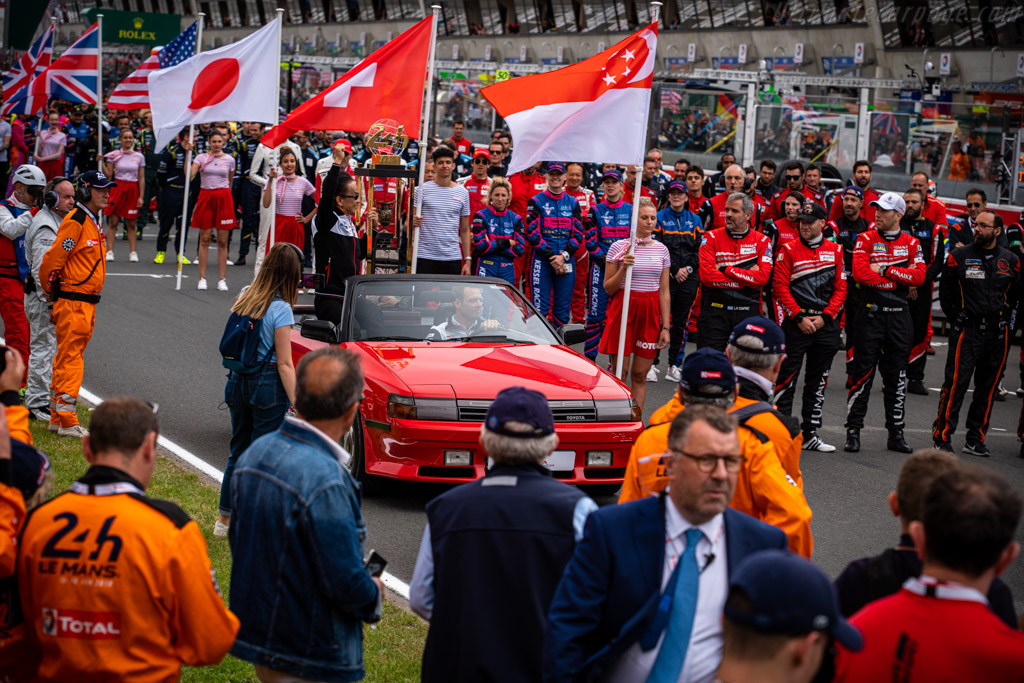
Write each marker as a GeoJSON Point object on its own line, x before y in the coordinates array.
{"type": "Point", "coordinates": [852, 441]}
{"type": "Point", "coordinates": [897, 442]}
{"type": "Point", "coordinates": [916, 386]}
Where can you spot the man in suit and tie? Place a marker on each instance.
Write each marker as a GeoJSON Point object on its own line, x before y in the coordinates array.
{"type": "Point", "coordinates": [641, 600]}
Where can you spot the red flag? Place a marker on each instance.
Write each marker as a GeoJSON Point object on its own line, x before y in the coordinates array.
{"type": "Point", "coordinates": [595, 110]}
{"type": "Point", "coordinates": [386, 85]}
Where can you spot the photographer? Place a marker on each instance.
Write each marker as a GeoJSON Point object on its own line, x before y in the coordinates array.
{"type": "Point", "coordinates": [16, 214]}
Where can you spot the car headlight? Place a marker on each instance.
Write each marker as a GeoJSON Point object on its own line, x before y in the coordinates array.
{"type": "Point", "coordinates": [411, 408]}
{"type": "Point", "coordinates": [402, 407]}
{"type": "Point", "coordinates": [618, 410]}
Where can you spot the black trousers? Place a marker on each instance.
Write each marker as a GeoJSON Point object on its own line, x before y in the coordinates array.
{"type": "Point", "coordinates": [426, 266]}
{"type": "Point", "coordinates": [819, 348]}
{"type": "Point", "coordinates": [172, 200]}
{"type": "Point", "coordinates": [921, 317]}
{"type": "Point", "coordinates": [977, 352]}
{"type": "Point", "coordinates": [850, 311]}
{"type": "Point", "coordinates": [881, 340]}
{"type": "Point", "coordinates": [715, 322]}
{"type": "Point", "coordinates": [151, 191]}
{"type": "Point", "coordinates": [250, 201]}
{"type": "Point", "coordinates": [683, 295]}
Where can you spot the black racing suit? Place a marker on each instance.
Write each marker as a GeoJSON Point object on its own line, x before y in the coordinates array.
{"type": "Point", "coordinates": [978, 293]}
{"type": "Point", "coordinates": [846, 232]}
{"type": "Point", "coordinates": [933, 249]}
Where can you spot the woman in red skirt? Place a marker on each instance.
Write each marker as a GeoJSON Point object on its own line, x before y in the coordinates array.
{"type": "Point", "coordinates": [52, 142]}
{"type": "Point", "coordinates": [215, 209]}
{"type": "Point", "coordinates": [647, 323]}
{"type": "Point", "coordinates": [289, 190]}
{"type": "Point", "coordinates": [127, 168]}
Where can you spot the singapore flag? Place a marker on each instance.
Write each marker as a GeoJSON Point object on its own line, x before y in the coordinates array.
{"type": "Point", "coordinates": [593, 111]}
{"type": "Point", "coordinates": [237, 82]}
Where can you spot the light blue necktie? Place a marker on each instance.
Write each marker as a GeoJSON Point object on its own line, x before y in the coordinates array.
{"type": "Point", "coordinates": [672, 652]}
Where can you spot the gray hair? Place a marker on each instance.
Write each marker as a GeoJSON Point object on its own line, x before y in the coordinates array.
{"type": "Point", "coordinates": [750, 360]}
{"type": "Point", "coordinates": [329, 390]}
{"type": "Point", "coordinates": [748, 203]}
{"type": "Point", "coordinates": [515, 450]}
{"type": "Point", "coordinates": [725, 401]}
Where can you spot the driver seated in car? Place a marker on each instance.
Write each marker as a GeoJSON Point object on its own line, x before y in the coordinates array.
{"type": "Point", "coordinates": [468, 318]}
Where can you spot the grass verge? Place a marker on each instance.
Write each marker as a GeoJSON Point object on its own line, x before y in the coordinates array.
{"type": "Point", "coordinates": [392, 651]}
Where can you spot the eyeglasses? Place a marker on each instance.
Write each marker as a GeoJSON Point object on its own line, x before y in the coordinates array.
{"type": "Point", "coordinates": [973, 205]}
{"type": "Point", "coordinates": [709, 463]}
{"type": "Point", "coordinates": [985, 225]}
{"type": "Point", "coordinates": [793, 177]}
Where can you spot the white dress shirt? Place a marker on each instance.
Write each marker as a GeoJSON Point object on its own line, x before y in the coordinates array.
{"type": "Point", "coordinates": [704, 653]}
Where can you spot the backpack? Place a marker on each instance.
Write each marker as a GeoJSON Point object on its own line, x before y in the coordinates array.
{"type": "Point", "coordinates": [240, 343]}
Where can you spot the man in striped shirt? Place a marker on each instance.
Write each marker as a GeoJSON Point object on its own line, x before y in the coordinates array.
{"type": "Point", "coordinates": [444, 222]}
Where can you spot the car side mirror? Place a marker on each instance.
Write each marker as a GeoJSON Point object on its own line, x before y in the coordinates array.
{"type": "Point", "coordinates": [574, 333]}
{"type": "Point", "coordinates": [320, 330]}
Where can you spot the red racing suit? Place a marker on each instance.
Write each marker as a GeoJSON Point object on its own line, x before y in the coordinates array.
{"type": "Point", "coordinates": [778, 199]}
{"type": "Point", "coordinates": [733, 270]}
{"type": "Point", "coordinates": [15, 218]}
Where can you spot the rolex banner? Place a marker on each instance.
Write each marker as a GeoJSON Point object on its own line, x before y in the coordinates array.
{"type": "Point", "coordinates": [137, 28]}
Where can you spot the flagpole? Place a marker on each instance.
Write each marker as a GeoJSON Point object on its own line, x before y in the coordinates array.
{"type": "Point", "coordinates": [188, 166]}
{"type": "Point", "coordinates": [655, 11]}
{"type": "Point", "coordinates": [99, 94]}
{"type": "Point", "coordinates": [424, 136]}
{"type": "Point", "coordinates": [273, 181]}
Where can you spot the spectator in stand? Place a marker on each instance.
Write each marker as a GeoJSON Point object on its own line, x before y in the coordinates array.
{"type": "Point", "coordinates": [862, 180]}
{"type": "Point", "coordinates": [641, 598]}
{"type": "Point", "coordinates": [445, 239]}
{"type": "Point", "coordinates": [298, 579]}
{"type": "Point", "coordinates": [478, 182]}
{"type": "Point", "coordinates": [290, 189]}
{"type": "Point", "coordinates": [517, 528]}
{"type": "Point", "coordinates": [462, 144]}
{"type": "Point", "coordinates": [766, 178]}
{"type": "Point", "coordinates": [780, 621]}
{"type": "Point", "coordinates": [50, 157]}
{"type": "Point", "coordinates": [215, 209]}
{"type": "Point", "coordinates": [682, 232]}
{"type": "Point", "coordinates": [258, 401]}
{"type": "Point", "coordinates": [873, 578]}
{"type": "Point", "coordinates": [151, 587]}
{"type": "Point", "coordinates": [647, 328]}
{"type": "Point", "coordinates": [127, 168]}
{"type": "Point", "coordinates": [939, 626]}
{"type": "Point", "coordinates": [960, 163]}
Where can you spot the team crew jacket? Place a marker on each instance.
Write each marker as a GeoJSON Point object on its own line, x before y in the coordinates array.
{"type": "Point", "coordinates": [867, 212]}
{"type": "Point", "coordinates": [763, 488]}
{"type": "Point", "coordinates": [810, 280]}
{"type": "Point", "coordinates": [118, 586]}
{"type": "Point", "coordinates": [726, 264]}
{"type": "Point", "coordinates": [901, 263]}
{"type": "Point", "coordinates": [717, 213]}
{"type": "Point", "coordinates": [553, 224]}
{"type": "Point", "coordinates": [979, 285]}
{"type": "Point", "coordinates": [845, 233]}
{"type": "Point", "coordinates": [77, 255]}
{"type": "Point", "coordinates": [778, 200]}
{"type": "Point", "coordinates": [701, 206]}
{"type": "Point", "coordinates": [932, 241]}
{"type": "Point", "coordinates": [681, 232]}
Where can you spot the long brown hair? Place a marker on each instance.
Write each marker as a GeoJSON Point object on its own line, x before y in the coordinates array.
{"type": "Point", "coordinates": [279, 276]}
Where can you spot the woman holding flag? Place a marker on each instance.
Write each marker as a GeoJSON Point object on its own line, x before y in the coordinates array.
{"type": "Point", "coordinates": [127, 167]}
{"type": "Point", "coordinates": [215, 209]}
{"type": "Point", "coordinates": [290, 190]}
{"type": "Point", "coordinates": [647, 325]}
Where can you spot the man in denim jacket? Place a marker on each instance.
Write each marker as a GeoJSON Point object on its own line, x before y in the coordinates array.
{"type": "Point", "coordinates": [297, 583]}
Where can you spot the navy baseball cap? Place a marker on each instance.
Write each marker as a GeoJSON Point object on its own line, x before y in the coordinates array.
{"type": "Point", "coordinates": [857, 192]}
{"type": "Point", "coordinates": [95, 180]}
{"type": "Point", "coordinates": [812, 211]}
{"type": "Point", "coordinates": [677, 185]}
{"type": "Point", "coordinates": [764, 329]}
{"type": "Point", "coordinates": [555, 167]}
{"type": "Point", "coordinates": [706, 368]}
{"type": "Point", "coordinates": [613, 174]}
{"type": "Point", "coordinates": [789, 596]}
{"type": "Point", "coordinates": [28, 467]}
{"type": "Point", "coordinates": [518, 404]}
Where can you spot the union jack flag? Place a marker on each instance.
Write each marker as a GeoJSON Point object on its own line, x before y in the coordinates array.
{"type": "Point", "coordinates": [16, 81]}
{"type": "Point", "coordinates": [133, 92]}
{"type": "Point", "coordinates": [886, 123]}
{"type": "Point", "coordinates": [74, 77]}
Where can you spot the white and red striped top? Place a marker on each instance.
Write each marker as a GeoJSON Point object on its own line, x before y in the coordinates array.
{"type": "Point", "coordinates": [290, 194]}
{"type": "Point", "coordinates": [651, 259]}
{"type": "Point", "coordinates": [215, 172]}
{"type": "Point", "coordinates": [133, 91]}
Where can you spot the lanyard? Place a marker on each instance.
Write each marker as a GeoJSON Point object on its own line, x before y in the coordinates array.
{"type": "Point", "coordinates": [114, 489]}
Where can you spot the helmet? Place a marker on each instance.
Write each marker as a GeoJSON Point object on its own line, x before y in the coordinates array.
{"type": "Point", "coordinates": [933, 189]}
{"type": "Point", "coordinates": [30, 175]}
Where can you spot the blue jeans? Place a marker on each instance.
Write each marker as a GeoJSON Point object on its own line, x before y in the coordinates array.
{"type": "Point", "coordinates": [258, 403]}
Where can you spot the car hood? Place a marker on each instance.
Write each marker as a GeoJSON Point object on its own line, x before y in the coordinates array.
{"type": "Point", "coordinates": [482, 370]}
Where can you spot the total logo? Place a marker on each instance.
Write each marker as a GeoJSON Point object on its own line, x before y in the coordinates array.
{"type": "Point", "coordinates": [81, 624]}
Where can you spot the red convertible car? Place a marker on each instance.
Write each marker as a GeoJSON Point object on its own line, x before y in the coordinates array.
{"type": "Point", "coordinates": [436, 350]}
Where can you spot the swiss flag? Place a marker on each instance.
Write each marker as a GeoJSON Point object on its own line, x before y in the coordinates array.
{"type": "Point", "coordinates": [593, 111]}
{"type": "Point", "coordinates": [386, 85]}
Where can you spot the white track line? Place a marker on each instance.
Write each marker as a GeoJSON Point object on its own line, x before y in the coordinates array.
{"type": "Point", "coordinates": [392, 582]}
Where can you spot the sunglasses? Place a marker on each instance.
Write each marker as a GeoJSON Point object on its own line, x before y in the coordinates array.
{"type": "Point", "coordinates": [481, 160]}
{"type": "Point", "coordinates": [349, 196]}
{"type": "Point", "coordinates": [973, 205]}
{"type": "Point", "coordinates": [793, 177]}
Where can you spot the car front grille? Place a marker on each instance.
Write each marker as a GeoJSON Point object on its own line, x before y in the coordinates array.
{"type": "Point", "coordinates": [563, 411]}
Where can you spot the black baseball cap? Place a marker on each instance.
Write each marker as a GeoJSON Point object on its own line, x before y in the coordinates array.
{"type": "Point", "coordinates": [709, 369]}
{"type": "Point", "coordinates": [766, 330]}
{"type": "Point", "coordinates": [812, 211]}
{"type": "Point", "coordinates": [518, 404]}
{"type": "Point", "coordinates": [28, 468]}
{"type": "Point", "coordinates": [789, 596]}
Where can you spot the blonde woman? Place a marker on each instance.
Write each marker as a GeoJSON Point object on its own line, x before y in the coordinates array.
{"type": "Point", "coordinates": [258, 401]}
{"type": "Point", "coordinates": [648, 323]}
{"type": "Point", "coordinates": [498, 236]}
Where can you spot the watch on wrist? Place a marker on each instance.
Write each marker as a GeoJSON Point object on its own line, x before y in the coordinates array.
{"type": "Point", "coordinates": [466, 258]}
{"type": "Point", "coordinates": [565, 256]}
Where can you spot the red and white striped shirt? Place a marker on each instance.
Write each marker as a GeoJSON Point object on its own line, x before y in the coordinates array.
{"type": "Point", "coordinates": [215, 172]}
{"type": "Point", "coordinates": [651, 259]}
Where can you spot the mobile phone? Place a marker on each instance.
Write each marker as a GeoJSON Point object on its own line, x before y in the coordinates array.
{"type": "Point", "coordinates": [312, 281]}
{"type": "Point", "coordinates": [375, 563]}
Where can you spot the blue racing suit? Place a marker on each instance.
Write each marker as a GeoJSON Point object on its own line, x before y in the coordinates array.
{"type": "Point", "coordinates": [681, 232]}
{"type": "Point", "coordinates": [553, 226]}
{"type": "Point", "coordinates": [77, 135]}
{"type": "Point", "coordinates": [497, 239]}
{"type": "Point", "coordinates": [606, 224]}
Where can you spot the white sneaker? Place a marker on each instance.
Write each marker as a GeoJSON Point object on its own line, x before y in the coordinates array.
{"type": "Point", "coordinates": [230, 262]}
{"type": "Point", "coordinates": [220, 528]}
{"type": "Point", "coordinates": [110, 255]}
{"type": "Point", "coordinates": [674, 373]}
{"type": "Point", "coordinates": [652, 374]}
{"type": "Point", "coordinates": [133, 257]}
{"type": "Point", "coordinates": [202, 284]}
{"type": "Point", "coordinates": [78, 431]}
{"type": "Point", "coordinates": [300, 291]}
{"type": "Point", "coordinates": [813, 442]}
{"type": "Point", "coordinates": [222, 285]}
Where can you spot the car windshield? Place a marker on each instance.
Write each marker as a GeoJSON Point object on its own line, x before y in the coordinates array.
{"type": "Point", "coordinates": [444, 311]}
